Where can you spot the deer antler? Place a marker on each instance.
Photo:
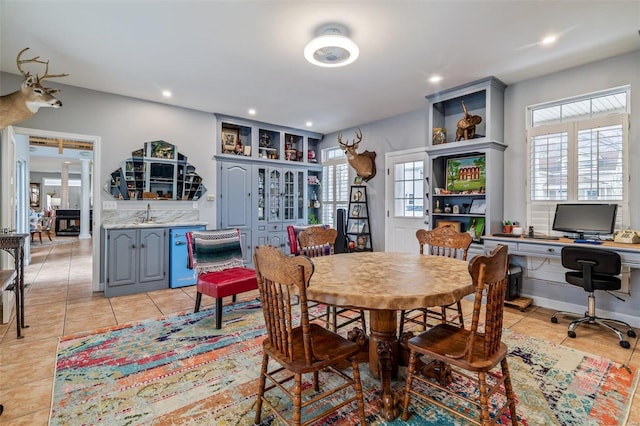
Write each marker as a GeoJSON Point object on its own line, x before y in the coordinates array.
{"type": "Point", "coordinates": [355, 142]}
{"type": "Point", "coordinates": [36, 60]}
{"type": "Point", "coordinates": [47, 75]}
{"type": "Point", "coordinates": [19, 62]}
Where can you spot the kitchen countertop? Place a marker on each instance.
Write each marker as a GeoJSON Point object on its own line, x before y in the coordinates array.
{"type": "Point", "coordinates": [152, 225]}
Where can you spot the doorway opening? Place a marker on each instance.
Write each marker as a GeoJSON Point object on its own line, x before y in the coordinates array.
{"type": "Point", "coordinates": [65, 157]}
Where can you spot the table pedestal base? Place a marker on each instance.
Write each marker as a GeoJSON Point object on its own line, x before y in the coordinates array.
{"type": "Point", "coordinates": [383, 357]}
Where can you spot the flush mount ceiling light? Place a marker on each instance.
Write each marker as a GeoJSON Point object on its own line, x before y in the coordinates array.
{"type": "Point", "coordinates": [331, 49]}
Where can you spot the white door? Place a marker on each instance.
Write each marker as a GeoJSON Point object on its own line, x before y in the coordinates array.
{"type": "Point", "coordinates": [405, 203]}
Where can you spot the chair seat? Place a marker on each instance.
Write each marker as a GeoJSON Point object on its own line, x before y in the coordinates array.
{"type": "Point", "coordinates": [600, 282]}
{"type": "Point", "coordinates": [328, 348]}
{"type": "Point", "coordinates": [446, 339]}
{"type": "Point", "coordinates": [227, 282]}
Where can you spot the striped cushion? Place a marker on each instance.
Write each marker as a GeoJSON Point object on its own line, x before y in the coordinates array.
{"type": "Point", "coordinates": [216, 250]}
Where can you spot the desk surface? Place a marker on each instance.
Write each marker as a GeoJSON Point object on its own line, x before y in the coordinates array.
{"type": "Point", "coordinates": [392, 281]}
{"type": "Point", "coordinates": [629, 253]}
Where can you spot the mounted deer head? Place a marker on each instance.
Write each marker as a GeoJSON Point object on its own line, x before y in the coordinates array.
{"type": "Point", "coordinates": [32, 96]}
{"type": "Point", "coordinates": [364, 163]}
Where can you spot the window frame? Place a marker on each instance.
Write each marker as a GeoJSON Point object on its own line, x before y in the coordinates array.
{"type": "Point", "coordinates": [540, 212]}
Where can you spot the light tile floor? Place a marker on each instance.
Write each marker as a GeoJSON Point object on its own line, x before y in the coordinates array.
{"type": "Point", "coordinates": [59, 301]}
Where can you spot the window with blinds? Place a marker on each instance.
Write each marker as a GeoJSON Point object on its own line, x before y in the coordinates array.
{"type": "Point", "coordinates": [335, 184]}
{"type": "Point", "coordinates": [577, 153]}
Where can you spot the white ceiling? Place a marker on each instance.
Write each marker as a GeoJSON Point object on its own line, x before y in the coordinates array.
{"type": "Point", "coordinates": [229, 56]}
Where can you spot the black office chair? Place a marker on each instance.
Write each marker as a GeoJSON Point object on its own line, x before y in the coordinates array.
{"type": "Point", "coordinates": [593, 269]}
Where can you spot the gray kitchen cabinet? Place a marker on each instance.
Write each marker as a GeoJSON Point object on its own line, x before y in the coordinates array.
{"type": "Point", "coordinates": [137, 261]}
{"type": "Point", "coordinates": [236, 180]}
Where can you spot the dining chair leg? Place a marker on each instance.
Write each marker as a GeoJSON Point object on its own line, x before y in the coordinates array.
{"type": "Point", "coordinates": [460, 316]}
{"type": "Point", "coordinates": [263, 381]}
{"type": "Point", "coordinates": [402, 317]}
{"type": "Point", "coordinates": [358, 385]}
{"type": "Point", "coordinates": [297, 399]}
{"type": "Point", "coordinates": [508, 390]}
{"type": "Point", "coordinates": [316, 381]}
{"type": "Point", "coordinates": [363, 319]}
{"type": "Point", "coordinates": [407, 389]}
{"type": "Point", "coordinates": [484, 398]}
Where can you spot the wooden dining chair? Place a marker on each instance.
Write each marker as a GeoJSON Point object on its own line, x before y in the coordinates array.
{"type": "Point", "coordinates": [318, 241]}
{"type": "Point", "coordinates": [470, 350]}
{"type": "Point", "coordinates": [299, 346]}
{"type": "Point", "coordinates": [443, 241]}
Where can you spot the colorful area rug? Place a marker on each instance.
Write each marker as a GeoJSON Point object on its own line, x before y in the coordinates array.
{"type": "Point", "coordinates": [181, 370]}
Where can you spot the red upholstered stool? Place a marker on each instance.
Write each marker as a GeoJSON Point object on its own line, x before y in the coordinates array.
{"type": "Point", "coordinates": [228, 282]}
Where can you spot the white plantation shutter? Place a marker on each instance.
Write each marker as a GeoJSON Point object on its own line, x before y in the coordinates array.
{"type": "Point", "coordinates": [578, 162]}
{"type": "Point", "coordinates": [548, 165]}
{"type": "Point", "coordinates": [335, 185]}
{"type": "Point", "coordinates": [600, 163]}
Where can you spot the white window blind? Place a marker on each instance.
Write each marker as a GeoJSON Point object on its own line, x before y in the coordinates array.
{"type": "Point", "coordinates": [581, 161]}
{"type": "Point", "coordinates": [335, 184]}
{"type": "Point", "coordinates": [600, 165]}
{"type": "Point", "coordinates": [548, 165]}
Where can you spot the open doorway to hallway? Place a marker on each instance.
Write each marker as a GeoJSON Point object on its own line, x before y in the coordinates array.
{"type": "Point", "coordinates": [64, 167]}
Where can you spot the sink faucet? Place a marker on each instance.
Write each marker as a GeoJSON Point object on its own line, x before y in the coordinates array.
{"type": "Point", "coordinates": [148, 212]}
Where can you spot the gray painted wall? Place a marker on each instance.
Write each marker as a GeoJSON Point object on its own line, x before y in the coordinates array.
{"type": "Point", "coordinates": [124, 124]}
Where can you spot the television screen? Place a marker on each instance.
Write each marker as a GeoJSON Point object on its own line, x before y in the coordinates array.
{"type": "Point", "coordinates": [593, 219]}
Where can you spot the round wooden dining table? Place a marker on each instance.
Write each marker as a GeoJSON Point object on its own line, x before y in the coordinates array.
{"type": "Point", "coordinates": [383, 283]}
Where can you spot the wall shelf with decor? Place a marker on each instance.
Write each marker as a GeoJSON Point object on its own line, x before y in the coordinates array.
{"type": "Point", "coordinates": [243, 139]}
{"type": "Point", "coordinates": [157, 171]}
{"type": "Point", "coordinates": [467, 189]}
{"type": "Point", "coordinates": [483, 98]}
{"type": "Point", "coordinates": [466, 186]}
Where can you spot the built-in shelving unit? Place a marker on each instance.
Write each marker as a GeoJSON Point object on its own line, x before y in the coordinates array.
{"type": "Point", "coordinates": [465, 188]}
{"type": "Point", "coordinates": [270, 180]}
{"type": "Point", "coordinates": [157, 171]}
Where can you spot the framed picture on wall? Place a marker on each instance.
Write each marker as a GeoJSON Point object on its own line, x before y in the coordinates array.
{"type": "Point", "coordinates": [34, 195]}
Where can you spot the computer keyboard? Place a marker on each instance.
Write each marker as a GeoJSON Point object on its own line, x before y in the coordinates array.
{"type": "Point", "coordinates": [596, 242]}
{"type": "Point", "coordinates": [541, 237]}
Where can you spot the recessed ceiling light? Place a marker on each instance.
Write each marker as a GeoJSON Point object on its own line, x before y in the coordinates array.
{"type": "Point", "coordinates": [435, 79]}
{"type": "Point", "coordinates": [166, 93]}
{"type": "Point", "coordinates": [252, 111]}
{"type": "Point", "coordinates": [550, 39]}
{"type": "Point", "coordinates": [309, 123]}
{"type": "Point", "coordinates": [331, 49]}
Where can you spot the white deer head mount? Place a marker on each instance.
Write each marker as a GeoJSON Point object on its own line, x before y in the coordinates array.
{"type": "Point", "coordinates": [363, 163]}
{"type": "Point", "coordinates": [32, 96]}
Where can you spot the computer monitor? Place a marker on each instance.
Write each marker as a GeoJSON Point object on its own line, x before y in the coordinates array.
{"type": "Point", "coordinates": [581, 219]}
